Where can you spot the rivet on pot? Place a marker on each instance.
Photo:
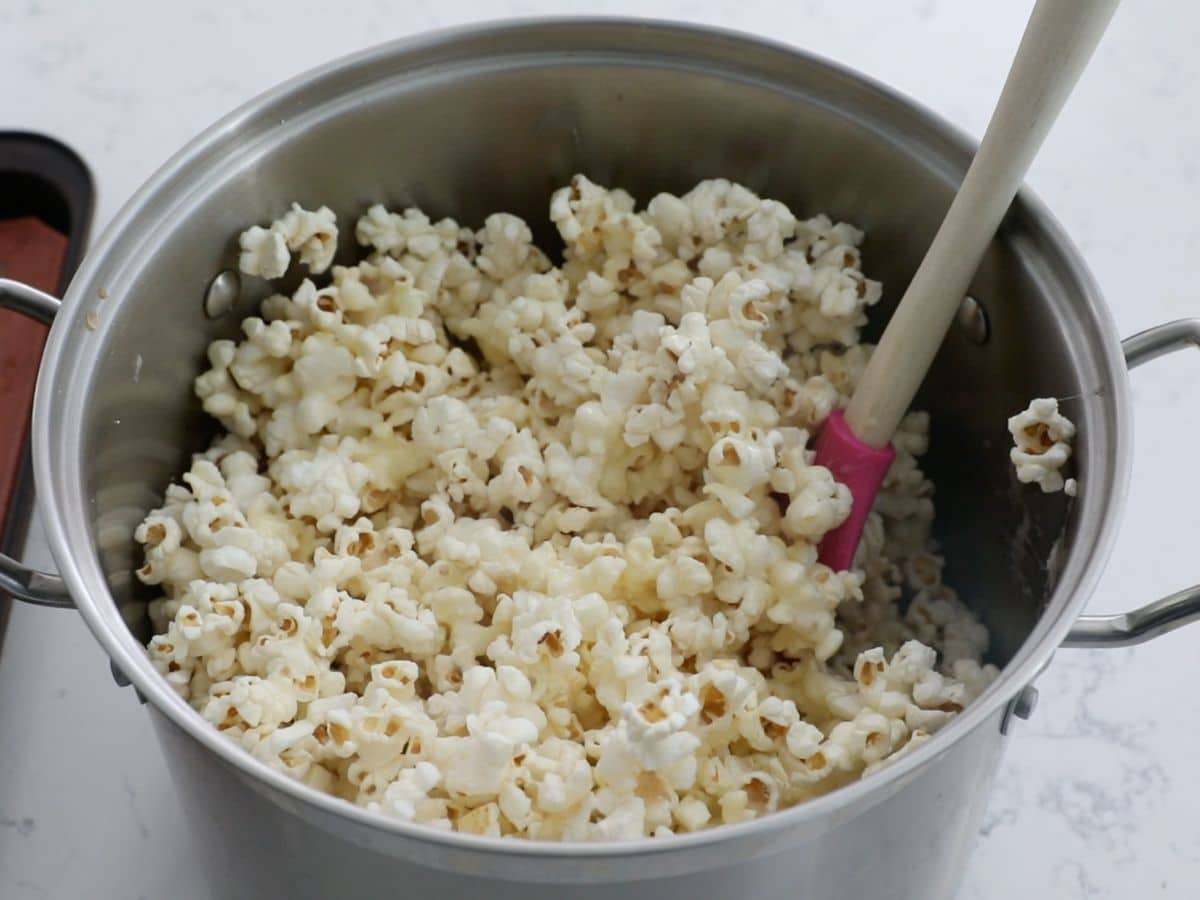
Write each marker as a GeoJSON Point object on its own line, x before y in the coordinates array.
{"type": "Point", "coordinates": [973, 320]}
{"type": "Point", "coordinates": [118, 675]}
{"type": "Point", "coordinates": [1021, 706]}
{"type": "Point", "coordinates": [222, 293]}
{"type": "Point", "coordinates": [1025, 703]}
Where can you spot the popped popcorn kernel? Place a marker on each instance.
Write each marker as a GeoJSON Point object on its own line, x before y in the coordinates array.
{"type": "Point", "coordinates": [1042, 438]}
{"type": "Point", "coordinates": [522, 549]}
{"type": "Point", "coordinates": [267, 252]}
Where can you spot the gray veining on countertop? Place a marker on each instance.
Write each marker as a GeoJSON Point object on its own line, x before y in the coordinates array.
{"type": "Point", "coordinates": [1098, 793]}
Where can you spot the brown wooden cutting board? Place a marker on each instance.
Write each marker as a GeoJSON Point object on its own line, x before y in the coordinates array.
{"type": "Point", "coordinates": [33, 252]}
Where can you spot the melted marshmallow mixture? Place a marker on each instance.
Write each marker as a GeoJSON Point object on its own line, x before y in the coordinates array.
{"type": "Point", "coordinates": [512, 548]}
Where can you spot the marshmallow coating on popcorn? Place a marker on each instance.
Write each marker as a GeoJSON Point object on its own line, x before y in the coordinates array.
{"type": "Point", "coordinates": [522, 549]}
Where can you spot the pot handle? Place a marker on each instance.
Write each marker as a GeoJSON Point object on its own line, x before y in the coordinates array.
{"type": "Point", "coordinates": [1179, 609]}
{"type": "Point", "coordinates": [26, 584]}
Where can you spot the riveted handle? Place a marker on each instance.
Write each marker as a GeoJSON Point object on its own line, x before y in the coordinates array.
{"type": "Point", "coordinates": [1179, 609]}
{"type": "Point", "coordinates": [24, 583]}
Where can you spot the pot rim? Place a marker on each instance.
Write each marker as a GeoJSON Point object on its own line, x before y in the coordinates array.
{"type": "Point", "coordinates": [59, 477]}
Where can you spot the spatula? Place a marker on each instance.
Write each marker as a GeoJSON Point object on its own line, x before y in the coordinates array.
{"type": "Point", "coordinates": [856, 445]}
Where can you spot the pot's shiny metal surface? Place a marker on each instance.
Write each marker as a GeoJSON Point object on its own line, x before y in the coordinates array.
{"type": "Point", "coordinates": [491, 118]}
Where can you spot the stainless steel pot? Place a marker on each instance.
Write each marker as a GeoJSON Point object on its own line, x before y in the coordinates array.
{"type": "Point", "coordinates": [491, 118]}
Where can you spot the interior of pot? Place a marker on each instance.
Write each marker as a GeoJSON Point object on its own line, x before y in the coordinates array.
{"type": "Point", "coordinates": [485, 123]}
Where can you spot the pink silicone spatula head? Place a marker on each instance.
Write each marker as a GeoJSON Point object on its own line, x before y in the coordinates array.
{"type": "Point", "coordinates": [862, 469]}
{"type": "Point", "coordinates": [856, 448]}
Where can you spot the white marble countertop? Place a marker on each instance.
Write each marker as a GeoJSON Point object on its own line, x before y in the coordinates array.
{"type": "Point", "coordinates": [1098, 792]}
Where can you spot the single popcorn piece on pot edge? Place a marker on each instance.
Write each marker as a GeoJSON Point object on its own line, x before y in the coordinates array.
{"type": "Point", "coordinates": [1042, 437]}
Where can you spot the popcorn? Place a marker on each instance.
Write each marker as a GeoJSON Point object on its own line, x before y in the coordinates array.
{"type": "Point", "coordinates": [1042, 436]}
{"type": "Point", "coordinates": [656, 728]}
{"type": "Point", "coordinates": [267, 252]}
{"type": "Point", "coordinates": [264, 252]}
{"type": "Point", "coordinates": [409, 791]}
{"type": "Point", "coordinates": [228, 563]}
{"type": "Point", "coordinates": [509, 548]}
{"type": "Point", "coordinates": [324, 485]}
{"type": "Point", "coordinates": [311, 234]}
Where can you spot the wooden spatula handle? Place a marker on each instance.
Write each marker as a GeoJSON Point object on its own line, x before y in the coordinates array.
{"type": "Point", "coordinates": [1056, 46]}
